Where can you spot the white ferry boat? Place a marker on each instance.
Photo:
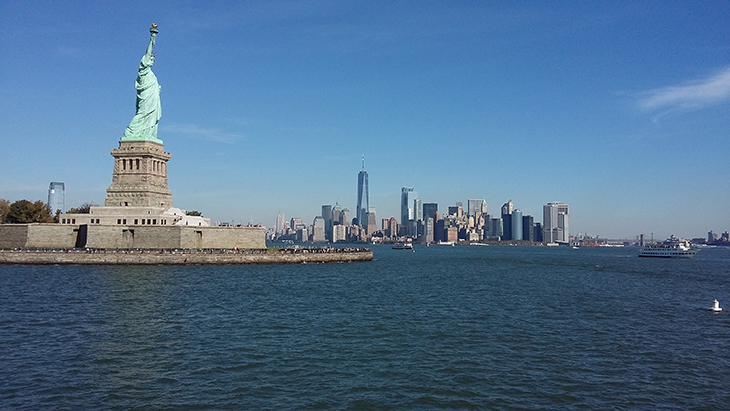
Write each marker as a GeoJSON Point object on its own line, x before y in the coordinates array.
{"type": "Point", "coordinates": [403, 246]}
{"type": "Point", "coordinates": [672, 248]}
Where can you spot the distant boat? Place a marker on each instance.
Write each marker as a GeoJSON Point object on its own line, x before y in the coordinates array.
{"type": "Point", "coordinates": [403, 246]}
{"type": "Point", "coordinates": [672, 248]}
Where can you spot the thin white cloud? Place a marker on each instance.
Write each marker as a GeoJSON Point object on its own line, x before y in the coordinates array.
{"type": "Point", "coordinates": [68, 51]}
{"type": "Point", "coordinates": [689, 96]}
{"type": "Point", "coordinates": [194, 131]}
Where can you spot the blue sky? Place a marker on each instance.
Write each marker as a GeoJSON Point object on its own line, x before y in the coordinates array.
{"type": "Point", "coordinates": [619, 109]}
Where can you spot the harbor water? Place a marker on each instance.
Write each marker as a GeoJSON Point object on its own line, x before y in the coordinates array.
{"type": "Point", "coordinates": [441, 327]}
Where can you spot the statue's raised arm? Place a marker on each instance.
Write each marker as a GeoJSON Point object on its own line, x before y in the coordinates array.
{"type": "Point", "coordinates": [143, 126]}
{"type": "Point", "coordinates": [149, 56]}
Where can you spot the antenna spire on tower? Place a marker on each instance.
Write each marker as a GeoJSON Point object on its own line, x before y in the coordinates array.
{"type": "Point", "coordinates": [363, 162]}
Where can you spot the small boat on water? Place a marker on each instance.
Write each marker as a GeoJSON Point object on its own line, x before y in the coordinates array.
{"type": "Point", "coordinates": [402, 246]}
{"type": "Point", "coordinates": [672, 248]}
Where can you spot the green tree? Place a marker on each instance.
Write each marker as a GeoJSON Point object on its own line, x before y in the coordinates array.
{"type": "Point", "coordinates": [194, 213]}
{"type": "Point", "coordinates": [23, 211]}
{"type": "Point", "coordinates": [4, 210]}
{"type": "Point", "coordinates": [84, 209]}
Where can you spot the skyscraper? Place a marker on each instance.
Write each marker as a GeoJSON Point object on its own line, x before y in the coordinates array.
{"type": "Point", "coordinates": [507, 210]}
{"type": "Point", "coordinates": [516, 220]}
{"type": "Point", "coordinates": [372, 226]}
{"type": "Point", "coordinates": [345, 217]}
{"type": "Point", "coordinates": [405, 205]}
{"type": "Point", "coordinates": [537, 232]}
{"type": "Point", "coordinates": [318, 230]}
{"type": "Point", "coordinates": [279, 230]}
{"type": "Point", "coordinates": [528, 228]}
{"type": "Point", "coordinates": [555, 223]}
{"type": "Point", "coordinates": [417, 209]}
{"type": "Point", "coordinates": [57, 197]}
{"type": "Point", "coordinates": [327, 217]}
{"type": "Point", "coordinates": [339, 233]}
{"type": "Point", "coordinates": [363, 197]}
{"type": "Point", "coordinates": [430, 210]}
{"type": "Point", "coordinates": [337, 214]}
{"type": "Point", "coordinates": [393, 227]}
{"type": "Point", "coordinates": [428, 229]}
{"type": "Point", "coordinates": [296, 223]}
{"type": "Point", "coordinates": [477, 207]}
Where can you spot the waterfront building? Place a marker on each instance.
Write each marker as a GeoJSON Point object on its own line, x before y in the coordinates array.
{"type": "Point", "coordinates": [452, 234]}
{"type": "Point", "coordinates": [457, 211]}
{"type": "Point", "coordinates": [555, 222]}
{"type": "Point", "coordinates": [318, 227]}
{"type": "Point", "coordinates": [528, 228]}
{"type": "Point", "coordinates": [390, 227]}
{"type": "Point", "coordinates": [537, 230]}
{"type": "Point", "coordinates": [430, 210]}
{"type": "Point", "coordinates": [302, 235]}
{"type": "Point", "coordinates": [279, 227]}
{"type": "Point", "coordinates": [345, 217]}
{"type": "Point", "coordinates": [428, 236]}
{"type": "Point", "coordinates": [711, 237]}
{"type": "Point", "coordinates": [476, 207]}
{"type": "Point", "coordinates": [337, 214]}
{"type": "Point", "coordinates": [516, 220]}
{"type": "Point", "coordinates": [371, 226]}
{"type": "Point", "coordinates": [439, 230]}
{"type": "Point", "coordinates": [417, 209]}
{"type": "Point", "coordinates": [385, 224]}
{"type": "Point", "coordinates": [412, 228]}
{"type": "Point", "coordinates": [507, 209]}
{"type": "Point", "coordinates": [57, 197]}
{"type": "Point", "coordinates": [296, 223]}
{"type": "Point", "coordinates": [327, 216]}
{"type": "Point", "coordinates": [363, 197]}
{"type": "Point", "coordinates": [355, 233]}
{"type": "Point", "coordinates": [339, 233]}
{"type": "Point", "coordinates": [497, 227]}
{"type": "Point", "coordinates": [393, 226]}
{"type": "Point", "coordinates": [406, 212]}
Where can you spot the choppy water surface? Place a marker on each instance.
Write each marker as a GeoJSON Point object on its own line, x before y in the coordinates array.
{"type": "Point", "coordinates": [442, 327]}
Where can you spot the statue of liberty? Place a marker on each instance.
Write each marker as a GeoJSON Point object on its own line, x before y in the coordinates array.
{"type": "Point", "coordinates": [143, 126]}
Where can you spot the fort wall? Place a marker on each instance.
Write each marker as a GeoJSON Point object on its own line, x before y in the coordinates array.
{"type": "Point", "coordinates": [38, 235]}
{"type": "Point", "coordinates": [129, 237]}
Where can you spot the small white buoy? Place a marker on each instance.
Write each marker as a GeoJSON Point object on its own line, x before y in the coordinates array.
{"type": "Point", "coordinates": [716, 306]}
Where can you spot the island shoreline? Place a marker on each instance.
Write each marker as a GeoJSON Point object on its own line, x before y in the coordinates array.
{"type": "Point", "coordinates": [182, 257]}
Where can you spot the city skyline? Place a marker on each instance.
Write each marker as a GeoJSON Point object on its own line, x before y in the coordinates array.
{"type": "Point", "coordinates": [618, 110]}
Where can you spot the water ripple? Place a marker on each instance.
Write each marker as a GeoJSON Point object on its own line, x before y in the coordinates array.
{"type": "Point", "coordinates": [442, 328]}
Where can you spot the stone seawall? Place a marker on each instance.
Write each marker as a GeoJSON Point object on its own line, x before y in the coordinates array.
{"type": "Point", "coordinates": [193, 257]}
